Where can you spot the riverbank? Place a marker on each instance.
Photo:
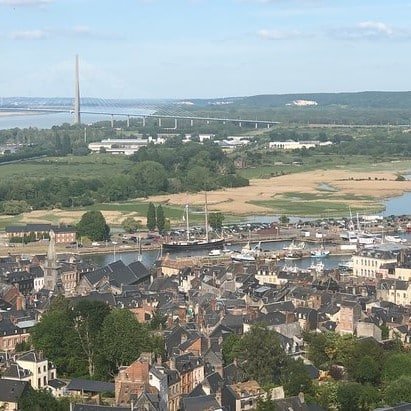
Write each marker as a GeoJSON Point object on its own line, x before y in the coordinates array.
{"type": "Point", "coordinates": [311, 193]}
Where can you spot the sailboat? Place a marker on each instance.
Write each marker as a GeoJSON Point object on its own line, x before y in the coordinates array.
{"type": "Point", "coordinates": [195, 244]}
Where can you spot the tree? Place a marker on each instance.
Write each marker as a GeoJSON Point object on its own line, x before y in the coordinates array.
{"type": "Point", "coordinates": [131, 225]}
{"type": "Point", "coordinates": [87, 319]}
{"type": "Point", "coordinates": [260, 355]}
{"type": "Point", "coordinates": [151, 217]}
{"type": "Point", "coordinates": [229, 347]}
{"type": "Point", "coordinates": [93, 225]}
{"type": "Point", "coordinates": [396, 365]}
{"type": "Point", "coordinates": [150, 177]}
{"type": "Point", "coordinates": [265, 404]}
{"type": "Point", "coordinates": [40, 400]}
{"type": "Point", "coordinates": [398, 391]}
{"type": "Point", "coordinates": [56, 337]}
{"type": "Point", "coordinates": [367, 370]}
{"type": "Point", "coordinates": [295, 378]}
{"type": "Point", "coordinates": [216, 221]}
{"type": "Point", "coordinates": [122, 340]}
{"type": "Point", "coordinates": [352, 396]}
{"type": "Point", "coordinates": [284, 219]}
{"type": "Point", "coordinates": [160, 218]}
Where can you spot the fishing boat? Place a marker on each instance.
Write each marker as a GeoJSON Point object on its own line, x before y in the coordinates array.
{"type": "Point", "coordinates": [319, 253]}
{"type": "Point", "coordinates": [293, 255]}
{"type": "Point", "coordinates": [346, 265]}
{"type": "Point", "coordinates": [242, 257]}
{"type": "Point", "coordinates": [293, 246]}
{"type": "Point", "coordinates": [395, 239]}
{"type": "Point", "coordinates": [194, 244]}
{"type": "Point", "coordinates": [318, 267]}
{"type": "Point", "coordinates": [247, 253]}
{"type": "Point", "coordinates": [219, 252]}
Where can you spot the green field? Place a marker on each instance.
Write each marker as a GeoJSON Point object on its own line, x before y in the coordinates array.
{"type": "Point", "coordinates": [310, 208]}
{"type": "Point", "coordinates": [326, 162]}
{"type": "Point", "coordinates": [105, 165]}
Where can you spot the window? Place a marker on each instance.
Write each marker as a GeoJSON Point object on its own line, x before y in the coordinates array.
{"type": "Point", "coordinates": [44, 368]}
{"type": "Point", "coordinates": [45, 380]}
{"type": "Point", "coordinates": [39, 382]}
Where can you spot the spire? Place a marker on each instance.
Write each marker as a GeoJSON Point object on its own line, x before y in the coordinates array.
{"type": "Point", "coordinates": [77, 119]}
{"type": "Point", "coordinates": [51, 252]}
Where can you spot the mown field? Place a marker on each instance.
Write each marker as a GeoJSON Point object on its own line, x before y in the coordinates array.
{"type": "Point", "coordinates": [68, 166]}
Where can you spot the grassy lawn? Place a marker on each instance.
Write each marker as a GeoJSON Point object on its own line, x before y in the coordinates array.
{"type": "Point", "coordinates": [69, 166]}
{"type": "Point", "coordinates": [312, 208]}
{"type": "Point", "coordinates": [324, 195]}
{"type": "Point", "coordinates": [326, 162]}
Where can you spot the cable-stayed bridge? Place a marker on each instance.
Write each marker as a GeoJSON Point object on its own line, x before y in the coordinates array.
{"type": "Point", "coordinates": [123, 109]}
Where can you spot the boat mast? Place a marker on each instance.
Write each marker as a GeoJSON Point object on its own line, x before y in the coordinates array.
{"type": "Point", "coordinates": [206, 217]}
{"type": "Point", "coordinates": [187, 224]}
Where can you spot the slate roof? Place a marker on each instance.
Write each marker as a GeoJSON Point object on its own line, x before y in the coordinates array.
{"type": "Point", "coordinates": [89, 407]}
{"type": "Point", "coordinates": [233, 374]}
{"type": "Point", "coordinates": [290, 404]}
{"type": "Point", "coordinates": [201, 403]}
{"type": "Point", "coordinates": [215, 381]}
{"type": "Point", "coordinates": [12, 391]}
{"type": "Point", "coordinates": [30, 356]}
{"type": "Point", "coordinates": [14, 371]}
{"type": "Point", "coordinates": [56, 383]}
{"type": "Point", "coordinates": [118, 273]}
{"type": "Point", "coordinates": [140, 271]}
{"type": "Point", "coordinates": [107, 298]}
{"type": "Point", "coordinates": [78, 384]}
{"type": "Point", "coordinates": [8, 328]}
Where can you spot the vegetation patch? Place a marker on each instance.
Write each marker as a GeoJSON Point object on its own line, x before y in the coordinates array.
{"type": "Point", "coordinates": [311, 208]}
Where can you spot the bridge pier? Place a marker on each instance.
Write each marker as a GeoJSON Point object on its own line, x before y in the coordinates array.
{"type": "Point", "coordinates": [144, 121]}
{"type": "Point", "coordinates": [175, 123]}
{"type": "Point", "coordinates": [256, 125]}
{"type": "Point", "coordinates": [159, 122]}
{"type": "Point", "coordinates": [268, 125]}
{"type": "Point", "coordinates": [112, 121]}
{"type": "Point", "coordinates": [192, 122]}
{"type": "Point", "coordinates": [240, 124]}
{"type": "Point", "coordinates": [128, 121]}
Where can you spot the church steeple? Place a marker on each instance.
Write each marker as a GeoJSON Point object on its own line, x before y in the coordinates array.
{"type": "Point", "coordinates": [51, 268]}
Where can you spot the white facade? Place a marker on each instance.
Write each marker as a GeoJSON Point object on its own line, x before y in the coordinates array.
{"type": "Point", "coordinates": [38, 283]}
{"type": "Point", "coordinates": [368, 266]}
{"type": "Point", "coordinates": [123, 146]}
{"type": "Point", "coordinates": [39, 368]}
{"type": "Point", "coordinates": [291, 145]}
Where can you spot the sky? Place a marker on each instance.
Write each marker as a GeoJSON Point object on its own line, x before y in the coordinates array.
{"type": "Point", "coordinates": [203, 48]}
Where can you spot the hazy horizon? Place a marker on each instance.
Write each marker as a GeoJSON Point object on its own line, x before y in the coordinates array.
{"type": "Point", "coordinates": [177, 49]}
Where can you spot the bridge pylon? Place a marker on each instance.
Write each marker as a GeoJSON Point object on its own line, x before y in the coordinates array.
{"type": "Point", "coordinates": [77, 118]}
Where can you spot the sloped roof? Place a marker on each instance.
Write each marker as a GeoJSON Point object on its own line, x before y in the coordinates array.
{"type": "Point", "coordinates": [200, 403]}
{"type": "Point", "coordinates": [79, 384]}
{"type": "Point", "coordinates": [11, 390]}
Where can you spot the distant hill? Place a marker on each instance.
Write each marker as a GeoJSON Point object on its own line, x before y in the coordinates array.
{"type": "Point", "coordinates": [365, 99]}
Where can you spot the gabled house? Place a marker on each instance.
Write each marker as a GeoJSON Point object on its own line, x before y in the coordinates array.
{"type": "Point", "coordinates": [11, 393]}
{"type": "Point", "coordinates": [132, 381]}
{"type": "Point", "coordinates": [40, 368]}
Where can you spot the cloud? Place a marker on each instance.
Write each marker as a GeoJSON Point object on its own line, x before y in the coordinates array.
{"type": "Point", "coordinates": [25, 3]}
{"type": "Point", "coordinates": [371, 30]}
{"type": "Point", "coordinates": [29, 35]}
{"type": "Point", "coordinates": [279, 34]}
{"type": "Point", "coordinates": [76, 31]}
